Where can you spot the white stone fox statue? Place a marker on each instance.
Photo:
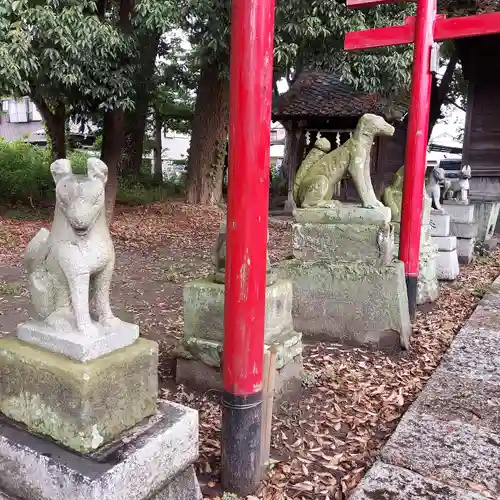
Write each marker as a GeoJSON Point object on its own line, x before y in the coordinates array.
{"type": "Point", "coordinates": [70, 267]}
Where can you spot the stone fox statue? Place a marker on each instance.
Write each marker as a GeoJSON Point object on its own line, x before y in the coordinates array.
{"type": "Point", "coordinates": [321, 170]}
{"type": "Point", "coordinates": [70, 267]}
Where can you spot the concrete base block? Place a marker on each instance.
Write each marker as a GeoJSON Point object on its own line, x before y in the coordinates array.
{"type": "Point", "coordinates": [491, 243]}
{"type": "Point", "coordinates": [463, 229]}
{"type": "Point", "coordinates": [342, 242]}
{"type": "Point", "coordinates": [76, 346]}
{"type": "Point", "coordinates": [287, 346]}
{"type": "Point", "coordinates": [204, 309]}
{"type": "Point", "coordinates": [346, 213]}
{"type": "Point", "coordinates": [459, 212]}
{"type": "Point", "coordinates": [445, 243]}
{"type": "Point", "coordinates": [196, 374]}
{"type": "Point", "coordinates": [81, 405]}
{"type": "Point", "coordinates": [385, 481]}
{"type": "Point", "coordinates": [486, 218]}
{"type": "Point", "coordinates": [439, 224]}
{"type": "Point", "coordinates": [151, 462]}
{"type": "Point", "coordinates": [465, 250]}
{"type": "Point", "coordinates": [427, 285]}
{"type": "Point", "coordinates": [447, 267]}
{"type": "Point", "coordinates": [356, 303]}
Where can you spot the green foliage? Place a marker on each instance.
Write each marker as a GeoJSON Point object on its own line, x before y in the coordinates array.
{"type": "Point", "coordinates": [25, 175]}
{"type": "Point", "coordinates": [82, 53]}
{"type": "Point", "coordinates": [310, 34]}
{"type": "Point", "coordinates": [175, 83]}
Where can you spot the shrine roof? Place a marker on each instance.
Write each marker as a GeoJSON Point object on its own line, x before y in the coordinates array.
{"type": "Point", "coordinates": [324, 95]}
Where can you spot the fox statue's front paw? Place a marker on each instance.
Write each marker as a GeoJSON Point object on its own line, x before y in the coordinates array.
{"type": "Point", "coordinates": [110, 321]}
{"type": "Point", "coordinates": [89, 329]}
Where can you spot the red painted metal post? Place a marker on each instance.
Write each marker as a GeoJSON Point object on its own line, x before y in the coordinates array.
{"type": "Point", "coordinates": [252, 35]}
{"type": "Point", "coordinates": [416, 148]}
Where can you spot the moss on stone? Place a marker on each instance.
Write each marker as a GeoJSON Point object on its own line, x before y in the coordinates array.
{"type": "Point", "coordinates": [81, 405]}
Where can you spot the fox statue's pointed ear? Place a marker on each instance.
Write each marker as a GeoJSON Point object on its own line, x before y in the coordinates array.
{"type": "Point", "coordinates": [59, 169]}
{"type": "Point", "coordinates": [97, 169]}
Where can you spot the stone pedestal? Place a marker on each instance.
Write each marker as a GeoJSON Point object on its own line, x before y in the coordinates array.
{"type": "Point", "coordinates": [427, 284]}
{"type": "Point", "coordinates": [447, 268]}
{"type": "Point", "coordinates": [486, 214]}
{"type": "Point", "coordinates": [78, 389]}
{"type": "Point", "coordinates": [463, 227]}
{"type": "Point", "coordinates": [80, 405]}
{"type": "Point", "coordinates": [153, 461]}
{"type": "Point", "coordinates": [346, 285]}
{"type": "Point", "coordinates": [201, 349]}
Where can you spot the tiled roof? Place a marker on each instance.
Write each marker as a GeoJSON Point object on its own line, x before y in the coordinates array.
{"type": "Point", "coordinates": [321, 94]}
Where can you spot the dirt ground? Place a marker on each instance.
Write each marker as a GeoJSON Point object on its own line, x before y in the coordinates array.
{"type": "Point", "coordinates": [352, 398]}
{"type": "Point", "coordinates": [158, 249]}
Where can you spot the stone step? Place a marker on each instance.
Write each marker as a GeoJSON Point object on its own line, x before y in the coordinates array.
{"type": "Point", "coordinates": [447, 268]}
{"type": "Point", "coordinates": [464, 229]}
{"type": "Point", "coordinates": [445, 243]}
{"type": "Point", "coordinates": [154, 458]}
{"type": "Point", "coordinates": [440, 224]}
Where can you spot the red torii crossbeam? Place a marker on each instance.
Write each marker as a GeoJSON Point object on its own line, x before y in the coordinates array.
{"type": "Point", "coordinates": [444, 29]}
{"type": "Point", "coordinates": [422, 30]}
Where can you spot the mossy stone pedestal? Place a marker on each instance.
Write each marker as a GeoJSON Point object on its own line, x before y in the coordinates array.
{"type": "Point", "coordinates": [91, 431]}
{"type": "Point", "coordinates": [200, 353]}
{"type": "Point", "coordinates": [347, 286]}
{"type": "Point", "coordinates": [80, 405]}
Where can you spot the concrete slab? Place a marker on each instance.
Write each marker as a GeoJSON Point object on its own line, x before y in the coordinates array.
{"type": "Point", "coordinates": [347, 213]}
{"type": "Point", "coordinates": [152, 459]}
{"type": "Point", "coordinates": [439, 224]}
{"type": "Point", "coordinates": [76, 346]}
{"type": "Point", "coordinates": [447, 451]}
{"type": "Point", "coordinates": [445, 243]}
{"type": "Point", "coordinates": [461, 398]}
{"type": "Point", "coordinates": [387, 482]}
{"type": "Point", "coordinates": [343, 242]}
{"type": "Point", "coordinates": [459, 212]}
{"type": "Point", "coordinates": [465, 250]}
{"type": "Point", "coordinates": [477, 354]}
{"type": "Point", "coordinates": [447, 267]}
{"type": "Point", "coordinates": [450, 436]}
{"type": "Point", "coordinates": [486, 218]}
{"type": "Point", "coordinates": [464, 229]}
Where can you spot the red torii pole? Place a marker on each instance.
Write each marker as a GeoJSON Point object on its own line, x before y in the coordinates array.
{"type": "Point", "coordinates": [252, 37]}
{"type": "Point", "coordinates": [423, 30]}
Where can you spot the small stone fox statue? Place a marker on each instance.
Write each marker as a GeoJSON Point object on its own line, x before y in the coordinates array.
{"type": "Point", "coordinates": [70, 267]}
{"type": "Point", "coordinates": [433, 187]}
{"type": "Point", "coordinates": [458, 188]}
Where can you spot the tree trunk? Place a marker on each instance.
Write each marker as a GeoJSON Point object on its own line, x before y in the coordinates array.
{"type": "Point", "coordinates": [55, 123]}
{"type": "Point", "coordinates": [205, 168]}
{"type": "Point", "coordinates": [291, 162]}
{"type": "Point", "coordinates": [135, 121]}
{"type": "Point", "coordinates": [112, 142]}
{"type": "Point", "coordinates": [158, 166]}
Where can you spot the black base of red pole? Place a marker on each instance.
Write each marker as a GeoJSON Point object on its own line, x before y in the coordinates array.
{"type": "Point", "coordinates": [411, 288]}
{"type": "Point", "coordinates": [241, 429]}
